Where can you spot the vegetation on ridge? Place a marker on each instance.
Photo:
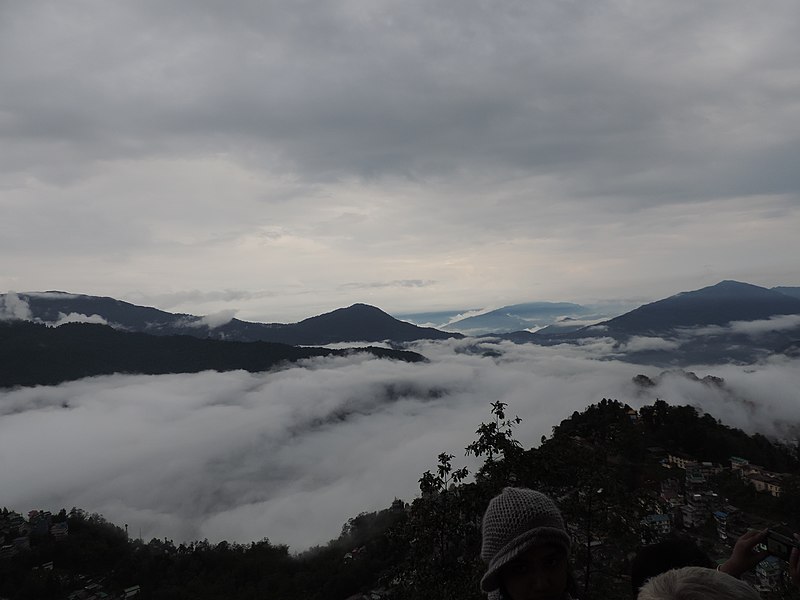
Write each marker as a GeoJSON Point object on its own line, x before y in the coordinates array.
{"type": "Point", "coordinates": [35, 354]}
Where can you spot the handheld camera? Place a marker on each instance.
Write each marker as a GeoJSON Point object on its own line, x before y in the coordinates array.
{"type": "Point", "coordinates": [780, 545]}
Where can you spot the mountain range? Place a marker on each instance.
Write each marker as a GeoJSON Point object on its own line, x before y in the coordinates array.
{"type": "Point", "coordinates": [357, 323]}
{"type": "Point", "coordinates": [517, 317]}
{"type": "Point", "coordinates": [727, 322]}
{"type": "Point", "coordinates": [528, 316]}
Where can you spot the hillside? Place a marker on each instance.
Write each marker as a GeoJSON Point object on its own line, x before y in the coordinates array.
{"type": "Point", "coordinates": [601, 465]}
{"type": "Point", "coordinates": [718, 304]}
{"type": "Point", "coordinates": [35, 354]}
{"type": "Point", "coordinates": [794, 292]}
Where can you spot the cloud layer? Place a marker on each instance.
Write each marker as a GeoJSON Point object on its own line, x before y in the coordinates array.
{"type": "Point", "coordinates": [292, 454]}
{"type": "Point", "coordinates": [12, 307]}
{"type": "Point", "coordinates": [752, 329]}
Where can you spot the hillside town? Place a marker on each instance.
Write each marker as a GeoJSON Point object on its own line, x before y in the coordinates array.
{"type": "Point", "coordinates": [688, 501]}
{"type": "Point", "coordinates": [18, 534]}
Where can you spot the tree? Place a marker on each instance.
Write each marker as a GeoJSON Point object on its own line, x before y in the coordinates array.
{"type": "Point", "coordinates": [496, 442]}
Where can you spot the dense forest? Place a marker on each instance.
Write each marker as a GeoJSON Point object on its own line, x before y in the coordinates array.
{"type": "Point", "coordinates": [36, 354]}
{"type": "Point", "coordinates": [598, 464]}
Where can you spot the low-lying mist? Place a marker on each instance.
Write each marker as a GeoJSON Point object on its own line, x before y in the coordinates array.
{"type": "Point", "coordinates": [292, 454]}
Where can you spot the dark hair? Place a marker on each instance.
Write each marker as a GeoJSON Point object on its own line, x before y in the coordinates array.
{"type": "Point", "coordinates": [664, 556]}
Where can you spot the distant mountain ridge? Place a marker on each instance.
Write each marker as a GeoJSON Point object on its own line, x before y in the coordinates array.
{"type": "Point", "coordinates": [357, 323]}
{"type": "Point", "coordinates": [527, 316]}
{"type": "Point", "coordinates": [516, 317]}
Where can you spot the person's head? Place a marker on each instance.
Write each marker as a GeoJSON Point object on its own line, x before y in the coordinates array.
{"type": "Point", "coordinates": [670, 554]}
{"type": "Point", "coordinates": [696, 583]}
{"type": "Point", "coordinates": [525, 546]}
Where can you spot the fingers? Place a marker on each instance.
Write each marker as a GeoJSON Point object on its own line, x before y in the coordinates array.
{"type": "Point", "coordinates": [751, 539]}
{"type": "Point", "coordinates": [750, 533]}
{"type": "Point", "coordinates": [744, 557]}
{"type": "Point", "coordinates": [753, 535]}
{"type": "Point", "coordinates": [794, 563]}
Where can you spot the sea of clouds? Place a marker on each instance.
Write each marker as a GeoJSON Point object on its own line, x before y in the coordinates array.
{"type": "Point", "coordinates": [292, 454]}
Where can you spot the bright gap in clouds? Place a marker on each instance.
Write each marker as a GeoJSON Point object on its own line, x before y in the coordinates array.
{"type": "Point", "coordinates": [292, 454]}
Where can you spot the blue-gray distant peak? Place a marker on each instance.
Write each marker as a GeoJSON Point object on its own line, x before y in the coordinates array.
{"type": "Point", "coordinates": [515, 317]}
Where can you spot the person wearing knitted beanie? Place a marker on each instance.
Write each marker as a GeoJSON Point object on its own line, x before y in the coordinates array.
{"type": "Point", "coordinates": [525, 546]}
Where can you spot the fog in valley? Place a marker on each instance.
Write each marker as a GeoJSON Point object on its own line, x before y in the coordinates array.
{"type": "Point", "coordinates": [292, 454]}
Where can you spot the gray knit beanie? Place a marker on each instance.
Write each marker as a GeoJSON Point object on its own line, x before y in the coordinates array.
{"type": "Point", "coordinates": [515, 521]}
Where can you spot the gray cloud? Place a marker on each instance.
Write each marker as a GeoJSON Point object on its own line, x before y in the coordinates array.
{"type": "Point", "coordinates": [407, 283]}
{"type": "Point", "coordinates": [640, 343]}
{"type": "Point", "coordinates": [292, 454]}
{"type": "Point", "coordinates": [218, 319]}
{"type": "Point", "coordinates": [749, 328]}
{"type": "Point", "coordinates": [197, 297]}
{"type": "Point", "coordinates": [13, 307]}
{"type": "Point", "coordinates": [410, 88]}
{"type": "Point", "coordinates": [741, 402]}
{"type": "Point", "coordinates": [211, 321]}
{"type": "Point", "coordinates": [79, 318]}
{"type": "Point", "coordinates": [518, 152]}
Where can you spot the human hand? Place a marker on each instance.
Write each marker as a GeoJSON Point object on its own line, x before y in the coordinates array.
{"type": "Point", "coordinates": [744, 557]}
{"type": "Point", "coordinates": [794, 563]}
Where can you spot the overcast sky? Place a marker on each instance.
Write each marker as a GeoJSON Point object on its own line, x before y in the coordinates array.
{"type": "Point", "coordinates": [291, 455]}
{"type": "Point", "coordinates": [286, 158]}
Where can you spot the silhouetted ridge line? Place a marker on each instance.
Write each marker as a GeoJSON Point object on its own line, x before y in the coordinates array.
{"type": "Point", "coordinates": [35, 354]}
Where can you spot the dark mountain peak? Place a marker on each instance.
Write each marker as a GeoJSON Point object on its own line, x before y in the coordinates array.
{"type": "Point", "coordinates": [729, 287]}
{"type": "Point", "coordinates": [718, 304]}
{"type": "Point", "coordinates": [732, 283]}
{"type": "Point", "coordinates": [359, 308]}
{"type": "Point", "coordinates": [362, 306]}
{"type": "Point", "coordinates": [352, 313]}
{"type": "Point", "coordinates": [362, 322]}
